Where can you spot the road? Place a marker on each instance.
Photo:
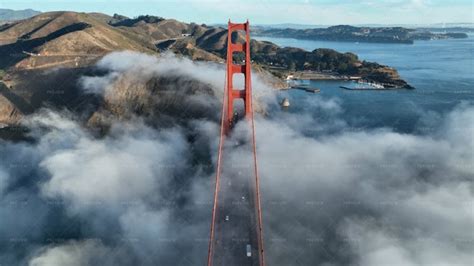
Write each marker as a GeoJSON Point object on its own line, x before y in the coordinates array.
{"type": "Point", "coordinates": [236, 218]}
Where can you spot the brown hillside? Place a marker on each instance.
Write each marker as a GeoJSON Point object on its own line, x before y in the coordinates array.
{"type": "Point", "coordinates": [64, 38]}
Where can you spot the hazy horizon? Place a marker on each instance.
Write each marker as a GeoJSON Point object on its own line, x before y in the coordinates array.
{"type": "Point", "coordinates": [301, 25]}
{"type": "Point", "coordinates": [265, 12]}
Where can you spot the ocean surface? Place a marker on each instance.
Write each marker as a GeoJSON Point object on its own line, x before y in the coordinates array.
{"type": "Point", "coordinates": [442, 71]}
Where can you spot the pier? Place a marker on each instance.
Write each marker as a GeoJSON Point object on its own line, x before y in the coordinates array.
{"type": "Point", "coordinates": [363, 88]}
{"type": "Point", "coordinates": [306, 88]}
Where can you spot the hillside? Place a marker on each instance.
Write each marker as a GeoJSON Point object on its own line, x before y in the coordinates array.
{"type": "Point", "coordinates": [71, 43]}
{"type": "Point", "coordinates": [70, 39]}
{"type": "Point", "coordinates": [63, 39]}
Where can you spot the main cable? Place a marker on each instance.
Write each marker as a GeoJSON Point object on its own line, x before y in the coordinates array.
{"type": "Point", "coordinates": [257, 188]}
{"type": "Point", "coordinates": [218, 176]}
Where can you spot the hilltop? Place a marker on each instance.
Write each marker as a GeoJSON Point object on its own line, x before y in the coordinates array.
{"type": "Point", "coordinates": [64, 39]}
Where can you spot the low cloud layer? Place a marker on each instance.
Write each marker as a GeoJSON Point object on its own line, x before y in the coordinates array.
{"type": "Point", "coordinates": [141, 193]}
{"type": "Point", "coordinates": [374, 197]}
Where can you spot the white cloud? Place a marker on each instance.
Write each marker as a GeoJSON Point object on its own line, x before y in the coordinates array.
{"type": "Point", "coordinates": [411, 194]}
{"type": "Point", "coordinates": [371, 197]}
{"type": "Point", "coordinates": [111, 170]}
{"type": "Point", "coordinates": [77, 253]}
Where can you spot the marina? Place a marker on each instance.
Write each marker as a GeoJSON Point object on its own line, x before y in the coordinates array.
{"type": "Point", "coordinates": [354, 83]}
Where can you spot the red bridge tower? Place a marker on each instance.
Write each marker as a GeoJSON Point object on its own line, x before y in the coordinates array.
{"type": "Point", "coordinates": [233, 68]}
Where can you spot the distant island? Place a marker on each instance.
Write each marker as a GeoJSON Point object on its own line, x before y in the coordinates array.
{"type": "Point", "coordinates": [347, 33]}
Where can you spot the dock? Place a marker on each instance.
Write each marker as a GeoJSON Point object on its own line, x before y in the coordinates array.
{"type": "Point", "coordinates": [313, 75]}
{"type": "Point", "coordinates": [307, 89]}
{"type": "Point", "coordinates": [363, 88]}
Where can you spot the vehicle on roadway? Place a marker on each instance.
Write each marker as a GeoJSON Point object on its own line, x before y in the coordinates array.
{"type": "Point", "coordinates": [249, 250]}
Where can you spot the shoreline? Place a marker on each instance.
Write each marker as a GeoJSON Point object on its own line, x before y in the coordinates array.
{"type": "Point", "coordinates": [322, 76]}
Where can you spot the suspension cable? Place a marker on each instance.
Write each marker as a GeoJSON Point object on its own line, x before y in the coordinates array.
{"type": "Point", "coordinates": [210, 252]}
{"type": "Point", "coordinates": [257, 190]}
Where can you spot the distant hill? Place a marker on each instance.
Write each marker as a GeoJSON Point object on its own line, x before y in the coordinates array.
{"type": "Point", "coordinates": [346, 33]}
{"type": "Point", "coordinates": [282, 26]}
{"type": "Point", "coordinates": [447, 26]}
{"type": "Point", "coordinates": [292, 26]}
{"type": "Point", "coordinates": [11, 15]}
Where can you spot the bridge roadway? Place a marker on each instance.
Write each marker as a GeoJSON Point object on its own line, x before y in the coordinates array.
{"type": "Point", "coordinates": [236, 218]}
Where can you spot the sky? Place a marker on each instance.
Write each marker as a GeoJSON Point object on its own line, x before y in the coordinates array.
{"type": "Point", "coordinates": [313, 12]}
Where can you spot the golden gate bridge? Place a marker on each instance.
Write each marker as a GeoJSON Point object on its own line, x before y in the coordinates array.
{"type": "Point", "coordinates": [236, 235]}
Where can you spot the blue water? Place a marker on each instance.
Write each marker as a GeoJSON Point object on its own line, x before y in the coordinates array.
{"type": "Point", "coordinates": [442, 71]}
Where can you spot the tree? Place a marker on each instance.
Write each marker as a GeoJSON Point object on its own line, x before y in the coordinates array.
{"type": "Point", "coordinates": [342, 67]}
{"type": "Point", "coordinates": [292, 66]}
